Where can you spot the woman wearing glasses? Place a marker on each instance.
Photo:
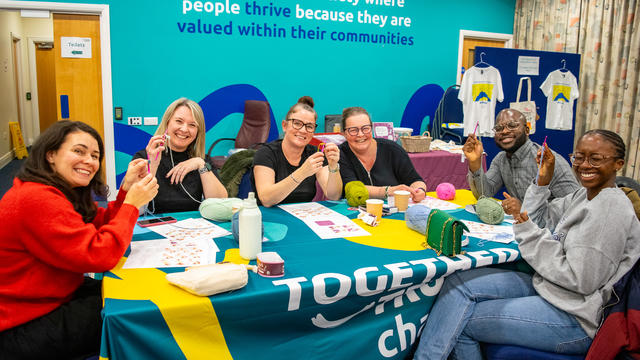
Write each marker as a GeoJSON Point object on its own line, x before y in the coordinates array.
{"type": "Point", "coordinates": [382, 165]}
{"type": "Point", "coordinates": [579, 246]}
{"type": "Point", "coordinates": [285, 171]}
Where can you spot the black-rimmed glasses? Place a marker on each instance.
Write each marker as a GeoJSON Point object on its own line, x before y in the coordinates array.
{"type": "Point", "coordinates": [298, 124]}
{"type": "Point", "coordinates": [595, 160]}
{"type": "Point", "coordinates": [354, 130]}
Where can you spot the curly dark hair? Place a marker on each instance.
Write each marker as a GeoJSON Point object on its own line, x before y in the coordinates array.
{"type": "Point", "coordinates": [37, 168]}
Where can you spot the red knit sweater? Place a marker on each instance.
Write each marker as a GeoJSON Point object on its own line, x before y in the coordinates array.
{"type": "Point", "coordinates": [45, 248]}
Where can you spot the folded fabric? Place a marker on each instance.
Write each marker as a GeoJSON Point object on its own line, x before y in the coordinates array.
{"type": "Point", "coordinates": [210, 279]}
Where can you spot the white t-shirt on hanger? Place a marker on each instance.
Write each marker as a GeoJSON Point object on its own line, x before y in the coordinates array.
{"type": "Point", "coordinates": [480, 89]}
{"type": "Point", "coordinates": [561, 89]}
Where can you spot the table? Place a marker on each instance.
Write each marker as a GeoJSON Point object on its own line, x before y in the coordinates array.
{"type": "Point", "coordinates": [364, 297]}
{"type": "Point", "coordinates": [440, 166]}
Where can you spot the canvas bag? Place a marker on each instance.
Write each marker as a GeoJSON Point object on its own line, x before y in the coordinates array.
{"type": "Point", "coordinates": [444, 233]}
{"type": "Point", "coordinates": [528, 108]}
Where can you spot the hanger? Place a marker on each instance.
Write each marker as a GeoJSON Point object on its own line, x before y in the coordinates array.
{"type": "Point", "coordinates": [481, 62]}
{"type": "Point", "coordinates": [564, 65]}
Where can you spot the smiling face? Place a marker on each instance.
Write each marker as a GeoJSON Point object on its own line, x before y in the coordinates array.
{"type": "Point", "coordinates": [513, 130]}
{"type": "Point", "coordinates": [358, 143]}
{"type": "Point", "coordinates": [594, 179]}
{"type": "Point", "coordinates": [77, 160]}
{"type": "Point", "coordinates": [182, 129]}
{"type": "Point", "coordinates": [298, 137]}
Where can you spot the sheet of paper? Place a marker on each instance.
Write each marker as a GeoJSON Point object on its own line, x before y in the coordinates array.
{"type": "Point", "coordinates": [498, 233]}
{"type": "Point", "coordinates": [326, 223]}
{"type": "Point", "coordinates": [434, 203]}
{"type": "Point", "coordinates": [171, 253]}
{"type": "Point", "coordinates": [190, 229]}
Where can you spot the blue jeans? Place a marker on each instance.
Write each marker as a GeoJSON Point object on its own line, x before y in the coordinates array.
{"type": "Point", "coordinates": [500, 307]}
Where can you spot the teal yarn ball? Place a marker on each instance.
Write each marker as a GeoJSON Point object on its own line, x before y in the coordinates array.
{"type": "Point", "coordinates": [219, 209]}
{"type": "Point", "coordinates": [489, 211]}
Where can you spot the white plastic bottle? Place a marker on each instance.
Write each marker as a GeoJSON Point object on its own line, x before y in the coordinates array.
{"type": "Point", "coordinates": [250, 228]}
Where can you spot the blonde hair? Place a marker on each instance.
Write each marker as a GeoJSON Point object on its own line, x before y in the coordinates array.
{"type": "Point", "coordinates": [196, 148]}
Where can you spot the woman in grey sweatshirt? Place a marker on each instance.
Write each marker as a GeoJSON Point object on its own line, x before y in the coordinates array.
{"type": "Point", "coordinates": [578, 245]}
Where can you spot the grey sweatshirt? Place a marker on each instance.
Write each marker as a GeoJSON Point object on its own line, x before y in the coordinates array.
{"type": "Point", "coordinates": [584, 247]}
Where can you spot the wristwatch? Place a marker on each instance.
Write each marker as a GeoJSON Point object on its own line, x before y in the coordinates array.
{"type": "Point", "coordinates": [335, 170]}
{"type": "Point", "coordinates": [205, 169]}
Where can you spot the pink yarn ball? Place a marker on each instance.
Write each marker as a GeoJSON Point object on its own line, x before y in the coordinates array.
{"type": "Point", "coordinates": [446, 191]}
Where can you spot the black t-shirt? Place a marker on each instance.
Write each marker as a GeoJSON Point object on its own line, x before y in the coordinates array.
{"type": "Point", "coordinates": [392, 166]}
{"type": "Point", "coordinates": [172, 197]}
{"type": "Point", "coordinates": [271, 156]}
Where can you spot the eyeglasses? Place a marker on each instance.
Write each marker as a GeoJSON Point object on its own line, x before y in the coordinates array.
{"type": "Point", "coordinates": [354, 130]}
{"type": "Point", "coordinates": [298, 124]}
{"type": "Point", "coordinates": [512, 125]}
{"type": "Point", "coordinates": [595, 160]}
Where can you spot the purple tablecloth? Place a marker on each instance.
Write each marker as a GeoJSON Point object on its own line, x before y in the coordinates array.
{"type": "Point", "coordinates": [439, 166]}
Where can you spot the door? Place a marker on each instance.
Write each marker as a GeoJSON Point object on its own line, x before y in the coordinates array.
{"type": "Point", "coordinates": [77, 78]}
{"type": "Point", "coordinates": [469, 48]}
{"type": "Point", "coordinates": [46, 82]}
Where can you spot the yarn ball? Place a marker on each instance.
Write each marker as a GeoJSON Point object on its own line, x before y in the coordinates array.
{"type": "Point", "coordinates": [356, 193]}
{"type": "Point", "coordinates": [446, 191]}
{"type": "Point", "coordinates": [219, 209]}
{"type": "Point", "coordinates": [416, 218]}
{"type": "Point", "coordinates": [489, 211]}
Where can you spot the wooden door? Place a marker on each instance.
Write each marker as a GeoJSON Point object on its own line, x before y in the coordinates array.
{"type": "Point", "coordinates": [80, 79]}
{"type": "Point", "coordinates": [469, 47]}
{"type": "Point", "coordinates": [46, 82]}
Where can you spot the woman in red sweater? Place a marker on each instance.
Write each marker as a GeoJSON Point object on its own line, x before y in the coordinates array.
{"type": "Point", "coordinates": [52, 233]}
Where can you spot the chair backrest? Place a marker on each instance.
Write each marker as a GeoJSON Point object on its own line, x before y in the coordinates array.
{"type": "Point", "coordinates": [255, 124]}
{"type": "Point", "coordinates": [330, 121]}
{"type": "Point", "coordinates": [449, 111]}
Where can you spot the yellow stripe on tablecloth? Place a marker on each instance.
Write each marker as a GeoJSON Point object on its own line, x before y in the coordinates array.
{"type": "Point", "coordinates": [183, 312]}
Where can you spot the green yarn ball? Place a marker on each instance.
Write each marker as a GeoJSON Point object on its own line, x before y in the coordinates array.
{"type": "Point", "coordinates": [356, 193]}
{"type": "Point", "coordinates": [489, 211]}
{"type": "Point", "coordinates": [219, 209]}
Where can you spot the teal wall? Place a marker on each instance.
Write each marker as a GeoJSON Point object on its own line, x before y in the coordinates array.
{"type": "Point", "coordinates": [154, 63]}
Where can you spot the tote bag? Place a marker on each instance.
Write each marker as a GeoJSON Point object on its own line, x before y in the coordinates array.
{"type": "Point", "coordinates": [528, 108]}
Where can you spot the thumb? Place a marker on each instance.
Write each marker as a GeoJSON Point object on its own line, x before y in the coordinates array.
{"type": "Point", "coordinates": [506, 196]}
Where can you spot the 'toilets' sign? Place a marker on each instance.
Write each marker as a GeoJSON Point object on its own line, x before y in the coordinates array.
{"type": "Point", "coordinates": [75, 47]}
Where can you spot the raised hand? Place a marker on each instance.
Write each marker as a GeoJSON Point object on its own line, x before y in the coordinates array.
{"type": "Point", "coordinates": [332, 153]}
{"type": "Point", "coordinates": [136, 170]}
{"type": "Point", "coordinates": [473, 149]}
{"type": "Point", "coordinates": [548, 164]}
{"type": "Point", "coordinates": [312, 165]}
{"type": "Point", "coordinates": [142, 191]}
{"type": "Point", "coordinates": [181, 170]}
{"type": "Point", "coordinates": [511, 205]}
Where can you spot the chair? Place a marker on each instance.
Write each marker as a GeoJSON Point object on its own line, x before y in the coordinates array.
{"type": "Point", "coordinates": [330, 121]}
{"type": "Point", "coordinates": [449, 111]}
{"type": "Point", "coordinates": [631, 188]}
{"type": "Point", "coordinates": [253, 132]}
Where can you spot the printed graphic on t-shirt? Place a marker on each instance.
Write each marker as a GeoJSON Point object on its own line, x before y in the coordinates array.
{"type": "Point", "coordinates": [482, 92]}
{"type": "Point", "coordinates": [561, 93]}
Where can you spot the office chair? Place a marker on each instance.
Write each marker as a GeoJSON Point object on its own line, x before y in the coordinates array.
{"type": "Point", "coordinates": [449, 111]}
{"type": "Point", "coordinates": [253, 132]}
{"type": "Point", "coordinates": [330, 121]}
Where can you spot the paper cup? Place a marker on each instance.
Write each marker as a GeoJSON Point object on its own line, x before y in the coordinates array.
{"type": "Point", "coordinates": [374, 207]}
{"type": "Point", "coordinates": [401, 199]}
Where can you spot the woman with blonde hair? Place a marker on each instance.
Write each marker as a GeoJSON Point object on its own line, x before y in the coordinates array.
{"type": "Point", "coordinates": [176, 154]}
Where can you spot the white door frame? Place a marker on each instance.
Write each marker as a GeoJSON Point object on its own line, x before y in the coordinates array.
{"type": "Point", "coordinates": [470, 34]}
{"type": "Point", "coordinates": [105, 60]}
{"type": "Point", "coordinates": [17, 67]}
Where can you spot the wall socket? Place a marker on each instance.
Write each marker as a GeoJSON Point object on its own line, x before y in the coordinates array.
{"type": "Point", "coordinates": [134, 120]}
{"type": "Point", "coordinates": [151, 120]}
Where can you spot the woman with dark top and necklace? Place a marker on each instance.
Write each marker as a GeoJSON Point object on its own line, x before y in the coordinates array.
{"type": "Point", "coordinates": [184, 175]}
{"type": "Point", "coordinates": [382, 165]}
{"type": "Point", "coordinates": [286, 171]}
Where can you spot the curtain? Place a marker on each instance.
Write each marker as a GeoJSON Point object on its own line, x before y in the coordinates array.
{"type": "Point", "coordinates": [607, 34]}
